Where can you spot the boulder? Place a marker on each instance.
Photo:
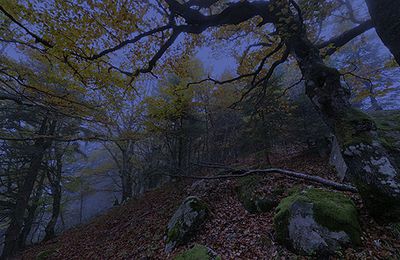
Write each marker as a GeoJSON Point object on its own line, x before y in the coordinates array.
{"type": "Point", "coordinates": [315, 222]}
{"type": "Point", "coordinates": [186, 220]}
{"type": "Point", "coordinates": [252, 198]}
{"type": "Point", "coordinates": [198, 252]}
{"type": "Point", "coordinates": [388, 123]}
{"type": "Point", "coordinates": [336, 160]}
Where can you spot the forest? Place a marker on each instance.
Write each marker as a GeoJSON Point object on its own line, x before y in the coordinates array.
{"type": "Point", "coordinates": [199, 129]}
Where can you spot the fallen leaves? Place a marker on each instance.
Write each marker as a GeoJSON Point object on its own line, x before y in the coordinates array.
{"type": "Point", "coordinates": [136, 229]}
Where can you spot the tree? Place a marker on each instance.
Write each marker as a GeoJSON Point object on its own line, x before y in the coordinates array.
{"type": "Point", "coordinates": [39, 147]}
{"type": "Point", "coordinates": [126, 126]}
{"type": "Point", "coordinates": [159, 30]}
{"type": "Point", "coordinates": [173, 114]}
{"type": "Point", "coordinates": [368, 76]}
{"type": "Point", "coordinates": [385, 16]}
{"type": "Point", "coordinates": [32, 121]}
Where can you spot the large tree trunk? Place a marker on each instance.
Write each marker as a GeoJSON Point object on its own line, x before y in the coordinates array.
{"type": "Point", "coordinates": [126, 177]}
{"type": "Point", "coordinates": [17, 218]}
{"type": "Point", "coordinates": [28, 221]}
{"type": "Point", "coordinates": [55, 183]}
{"type": "Point", "coordinates": [370, 167]}
{"type": "Point", "coordinates": [385, 15]}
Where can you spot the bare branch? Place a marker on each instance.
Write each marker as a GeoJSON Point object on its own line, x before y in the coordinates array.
{"type": "Point", "coordinates": [253, 74]}
{"type": "Point", "coordinates": [260, 44]}
{"type": "Point", "coordinates": [290, 87]}
{"type": "Point", "coordinates": [65, 138]}
{"type": "Point", "coordinates": [339, 41]}
{"type": "Point", "coordinates": [35, 36]}
{"type": "Point", "coordinates": [152, 63]}
{"type": "Point", "coordinates": [293, 174]}
{"type": "Point", "coordinates": [130, 41]}
{"type": "Point", "coordinates": [264, 80]}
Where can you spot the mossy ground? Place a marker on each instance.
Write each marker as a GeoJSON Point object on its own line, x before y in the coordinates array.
{"type": "Point", "coordinates": [254, 201]}
{"type": "Point", "coordinates": [332, 210]}
{"type": "Point", "coordinates": [245, 191]}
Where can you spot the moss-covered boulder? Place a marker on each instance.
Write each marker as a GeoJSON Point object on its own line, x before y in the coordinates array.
{"type": "Point", "coordinates": [370, 145]}
{"type": "Point", "coordinates": [317, 222]}
{"type": "Point", "coordinates": [388, 123]}
{"type": "Point", "coordinates": [198, 252]}
{"type": "Point", "coordinates": [254, 200]}
{"type": "Point", "coordinates": [186, 220]}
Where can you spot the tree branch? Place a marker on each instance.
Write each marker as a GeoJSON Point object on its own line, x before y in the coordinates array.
{"type": "Point", "coordinates": [335, 43]}
{"type": "Point", "coordinates": [297, 175]}
{"type": "Point", "coordinates": [35, 36]}
{"type": "Point", "coordinates": [235, 13]}
{"type": "Point", "coordinates": [152, 63]}
{"type": "Point", "coordinates": [130, 41]}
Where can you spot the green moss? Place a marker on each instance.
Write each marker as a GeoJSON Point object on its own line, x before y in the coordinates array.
{"type": "Point", "coordinates": [198, 205]}
{"type": "Point", "coordinates": [332, 210]}
{"type": "Point", "coordinates": [246, 192]}
{"type": "Point", "coordinates": [265, 204]}
{"type": "Point", "coordinates": [198, 252]}
{"type": "Point", "coordinates": [336, 212]}
{"type": "Point", "coordinates": [252, 201]}
{"type": "Point", "coordinates": [352, 127]}
{"type": "Point", "coordinates": [294, 189]}
{"type": "Point", "coordinates": [282, 215]}
{"type": "Point", "coordinates": [388, 123]}
{"type": "Point", "coordinates": [45, 254]}
{"type": "Point", "coordinates": [387, 120]}
{"type": "Point", "coordinates": [174, 233]}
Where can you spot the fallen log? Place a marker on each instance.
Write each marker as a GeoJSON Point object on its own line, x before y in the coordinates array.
{"type": "Point", "coordinates": [293, 174]}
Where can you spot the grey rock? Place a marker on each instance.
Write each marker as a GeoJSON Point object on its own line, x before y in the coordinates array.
{"type": "Point", "coordinates": [336, 160]}
{"type": "Point", "coordinates": [317, 222]}
{"type": "Point", "coordinates": [186, 220]}
{"type": "Point", "coordinates": [308, 236]}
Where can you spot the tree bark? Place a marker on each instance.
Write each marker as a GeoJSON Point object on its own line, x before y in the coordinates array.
{"type": "Point", "coordinates": [17, 218]}
{"type": "Point", "coordinates": [370, 167]}
{"type": "Point", "coordinates": [385, 15]}
{"type": "Point", "coordinates": [126, 177]}
{"type": "Point", "coordinates": [28, 221]}
{"type": "Point", "coordinates": [55, 182]}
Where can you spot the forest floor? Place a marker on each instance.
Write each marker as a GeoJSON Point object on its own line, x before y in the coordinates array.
{"type": "Point", "coordinates": [136, 229]}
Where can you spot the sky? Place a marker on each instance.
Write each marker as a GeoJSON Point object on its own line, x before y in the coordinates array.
{"type": "Point", "coordinates": [218, 65]}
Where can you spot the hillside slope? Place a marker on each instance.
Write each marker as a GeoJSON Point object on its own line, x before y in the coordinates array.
{"type": "Point", "coordinates": [136, 229]}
